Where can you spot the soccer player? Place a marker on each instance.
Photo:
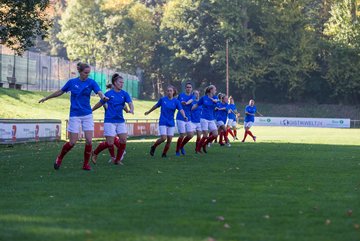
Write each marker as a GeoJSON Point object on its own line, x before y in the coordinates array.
{"type": "Point", "coordinates": [168, 105]}
{"type": "Point", "coordinates": [250, 112]}
{"type": "Point", "coordinates": [80, 112]}
{"type": "Point", "coordinates": [222, 109]}
{"type": "Point", "coordinates": [207, 119]}
{"type": "Point", "coordinates": [114, 122]}
{"type": "Point", "coordinates": [185, 128]}
{"type": "Point", "coordinates": [195, 117]}
{"type": "Point", "coordinates": [231, 121]}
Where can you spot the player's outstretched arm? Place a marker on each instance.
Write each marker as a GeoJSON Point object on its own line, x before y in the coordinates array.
{"type": "Point", "coordinates": [102, 96]}
{"type": "Point", "coordinates": [131, 105]}
{"type": "Point", "coordinates": [194, 107]}
{"type": "Point", "coordinates": [53, 95]}
{"type": "Point", "coordinates": [183, 115]}
{"type": "Point", "coordinates": [151, 110]}
{"type": "Point", "coordinates": [97, 106]}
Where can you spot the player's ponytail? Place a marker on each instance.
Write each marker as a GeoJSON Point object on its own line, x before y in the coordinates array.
{"type": "Point", "coordinates": [174, 89]}
{"type": "Point", "coordinates": [208, 89]}
{"type": "Point", "coordinates": [115, 77]}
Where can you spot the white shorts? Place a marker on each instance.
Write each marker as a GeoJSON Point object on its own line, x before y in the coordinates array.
{"type": "Point", "coordinates": [113, 129]}
{"type": "Point", "coordinates": [78, 123]}
{"type": "Point", "coordinates": [231, 122]}
{"type": "Point", "coordinates": [196, 126]}
{"type": "Point", "coordinates": [220, 123]}
{"type": "Point", "coordinates": [184, 127]}
{"type": "Point", "coordinates": [166, 131]}
{"type": "Point", "coordinates": [248, 124]}
{"type": "Point", "coordinates": [207, 125]}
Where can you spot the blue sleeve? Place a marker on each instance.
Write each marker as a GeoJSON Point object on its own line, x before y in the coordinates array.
{"type": "Point", "coordinates": [201, 101]}
{"type": "Point", "coordinates": [127, 98]}
{"type": "Point", "coordinates": [158, 104]}
{"type": "Point", "coordinates": [67, 86]}
{"type": "Point", "coordinates": [247, 109]}
{"type": "Point", "coordinates": [178, 105]}
{"type": "Point", "coordinates": [95, 87]}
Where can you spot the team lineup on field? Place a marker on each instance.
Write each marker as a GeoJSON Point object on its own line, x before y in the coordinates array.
{"type": "Point", "coordinates": [205, 117]}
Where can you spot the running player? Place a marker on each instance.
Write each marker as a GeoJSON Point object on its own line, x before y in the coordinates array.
{"type": "Point", "coordinates": [195, 117]}
{"type": "Point", "coordinates": [250, 112]}
{"type": "Point", "coordinates": [184, 127]}
{"type": "Point", "coordinates": [168, 106]}
{"type": "Point", "coordinates": [207, 120]}
{"type": "Point", "coordinates": [114, 123]}
{"type": "Point", "coordinates": [80, 112]}
{"type": "Point", "coordinates": [222, 109]}
{"type": "Point", "coordinates": [231, 121]}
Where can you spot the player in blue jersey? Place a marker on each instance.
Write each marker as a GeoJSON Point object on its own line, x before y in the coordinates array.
{"type": "Point", "coordinates": [231, 121]}
{"type": "Point", "coordinates": [114, 122]}
{"type": "Point", "coordinates": [80, 112]}
{"type": "Point", "coordinates": [207, 120]}
{"type": "Point", "coordinates": [250, 111]}
{"type": "Point", "coordinates": [195, 117]}
{"type": "Point", "coordinates": [168, 105]}
{"type": "Point", "coordinates": [185, 128]}
{"type": "Point", "coordinates": [222, 109]}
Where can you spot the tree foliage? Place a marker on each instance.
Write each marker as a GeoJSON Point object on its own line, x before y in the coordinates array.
{"type": "Point", "coordinates": [21, 22]}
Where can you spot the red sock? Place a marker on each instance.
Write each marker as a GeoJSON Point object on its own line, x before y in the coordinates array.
{"type": "Point", "coordinates": [185, 141]}
{"type": "Point", "coordinates": [250, 134]}
{"type": "Point", "coordinates": [209, 140]}
{"type": "Point", "coordinates": [221, 137]}
{"type": "Point", "coordinates": [117, 142]}
{"type": "Point", "coordinates": [111, 151]}
{"type": "Point", "coordinates": [157, 142]}
{"type": "Point", "coordinates": [65, 149]}
{"type": "Point", "coordinates": [120, 151]}
{"type": "Point", "coordinates": [178, 144]}
{"type": "Point", "coordinates": [87, 153]}
{"type": "Point", "coordinates": [166, 148]}
{"type": "Point", "coordinates": [201, 143]}
{"type": "Point", "coordinates": [245, 135]}
{"type": "Point", "coordinates": [197, 142]}
{"type": "Point", "coordinates": [235, 133]}
{"type": "Point", "coordinates": [102, 146]}
{"type": "Point", "coordinates": [226, 139]}
{"type": "Point", "coordinates": [230, 132]}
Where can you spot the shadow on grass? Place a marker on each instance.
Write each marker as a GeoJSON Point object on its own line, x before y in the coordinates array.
{"type": "Point", "coordinates": [263, 191]}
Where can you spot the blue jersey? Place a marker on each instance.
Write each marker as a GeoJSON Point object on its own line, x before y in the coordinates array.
{"type": "Point", "coordinates": [251, 110]}
{"type": "Point", "coordinates": [116, 103]}
{"type": "Point", "coordinates": [232, 115]}
{"type": "Point", "coordinates": [80, 95]}
{"type": "Point", "coordinates": [222, 114]}
{"type": "Point", "coordinates": [167, 112]}
{"type": "Point", "coordinates": [196, 114]}
{"type": "Point", "coordinates": [208, 107]}
{"type": "Point", "coordinates": [186, 108]}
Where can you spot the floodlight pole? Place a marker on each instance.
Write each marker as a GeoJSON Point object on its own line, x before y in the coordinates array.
{"type": "Point", "coordinates": [227, 67]}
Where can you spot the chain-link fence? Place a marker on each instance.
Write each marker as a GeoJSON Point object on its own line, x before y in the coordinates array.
{"type": "Point", "coordinates": [39, 72]}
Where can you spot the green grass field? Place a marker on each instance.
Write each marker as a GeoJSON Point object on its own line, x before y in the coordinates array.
{"type": "Point", "coordinates": [293, 184]}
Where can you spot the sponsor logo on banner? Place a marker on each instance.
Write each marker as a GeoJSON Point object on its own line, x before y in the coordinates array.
{"type": "Point", "coordinates": [302, 122]}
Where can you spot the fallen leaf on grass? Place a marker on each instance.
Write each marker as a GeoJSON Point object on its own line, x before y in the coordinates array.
{"type": "Point", "coordinates": [267, 216]}
{"type": "Point", "coordinates": [356, 226]}
{"type": "Point", "coordinates": [349, 212]}
{"type": "Point", "coordinates": [220, 218]}
{"type": "Point", "coordinates": [226, 225]}
{"type": "Point", "coordinates": [328, 222]}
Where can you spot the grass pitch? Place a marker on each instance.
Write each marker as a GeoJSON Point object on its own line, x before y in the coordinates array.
{"type": "Point", "coordinates": [294, 184]}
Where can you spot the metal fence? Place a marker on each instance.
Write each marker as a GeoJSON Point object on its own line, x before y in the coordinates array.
{"type": "Point", "coordinates": [37, 71]}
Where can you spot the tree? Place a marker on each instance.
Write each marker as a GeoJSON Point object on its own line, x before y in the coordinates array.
{"type": "Point", "coordinates": [83, 32]}
{"type": "Point", "coordinates": [21, 22]}
{"type": "Point", "coordinates": [342, 58]}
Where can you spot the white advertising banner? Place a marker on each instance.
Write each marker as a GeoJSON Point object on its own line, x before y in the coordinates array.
{"type": "Point", "coordinates": [302, 122]}
{"type": "Point", "coordinates": [15, 131]}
